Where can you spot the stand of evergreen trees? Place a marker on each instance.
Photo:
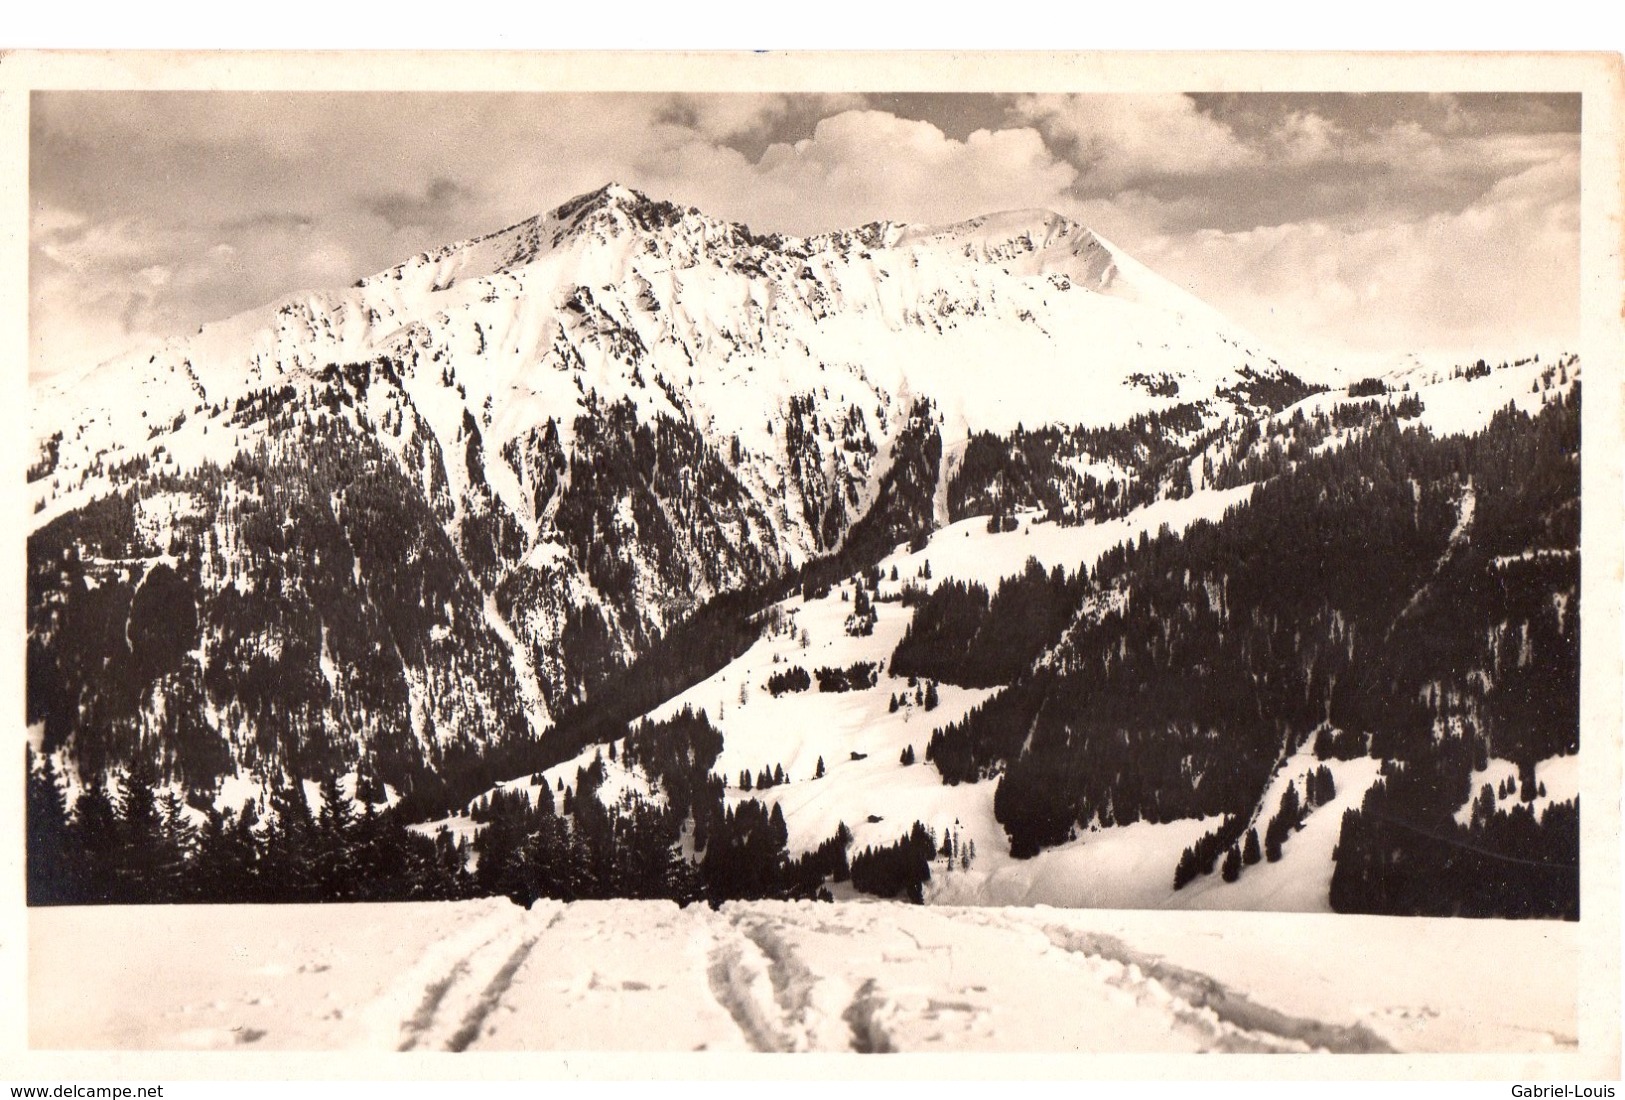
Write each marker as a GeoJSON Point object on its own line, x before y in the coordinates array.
{"type": "Point", "coordinates": [1250, 455]}
{"type": "Point", "coordinates": [960, 635]}
{"type": "Point", "coordinates": [858, 676]}
{"type": "Point", "coordinates": [794, 678]}
{"type": "Point", "coordinates": [1036, 469]}
{"type": "Point", "coordinates": [1227, 840]}
{"type": "Point", "coordinates": [130, 846]}
{"type": "Point", "coordinates": [1404, 852]}
{"type": "Point", "coordinates": [1201, 857]}
{"type": "Point", "coordinates": [897, 869]}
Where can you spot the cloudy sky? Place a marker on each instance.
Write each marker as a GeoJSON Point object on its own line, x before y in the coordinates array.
{"type": "Point", "coordinates": [1341, 226]}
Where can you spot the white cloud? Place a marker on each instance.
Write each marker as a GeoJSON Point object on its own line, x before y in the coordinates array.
{"type": "Point", "coordinates": [862, 166]}
{"type": "Point", "coordinates": [723, 116]}
{"type": "Point", "coordinates": [1304, 137]}
{"type": "Point", "coordinates": [1119, 139]}
{"type": "Point", "coordinates": [1497, 277]}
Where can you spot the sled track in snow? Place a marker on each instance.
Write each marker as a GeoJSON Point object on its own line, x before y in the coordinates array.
{"type": "Point", "coordinates": [783, 977]}
{"type": "Point", "coordinates": [792, 981]}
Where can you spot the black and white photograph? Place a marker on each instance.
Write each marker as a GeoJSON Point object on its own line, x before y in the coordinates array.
{"type": "Point", "coordinates": [698, 562]}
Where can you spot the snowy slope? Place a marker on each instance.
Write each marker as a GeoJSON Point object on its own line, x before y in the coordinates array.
{"type": "Point", "coordinates": [764, 976]}
{"type": "Point", "coordinates": [1122, 866]}
{"type": "Point", "coordinates": [795, 730]}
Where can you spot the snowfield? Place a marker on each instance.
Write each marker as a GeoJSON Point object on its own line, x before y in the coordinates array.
{"type": "Point", "coordinates": [774, 976]}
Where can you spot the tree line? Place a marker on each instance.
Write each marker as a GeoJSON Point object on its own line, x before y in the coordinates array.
{"type": "Point", "coordinates": [133, 845]}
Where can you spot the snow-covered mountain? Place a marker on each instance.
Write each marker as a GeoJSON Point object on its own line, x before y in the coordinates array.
{"type": "Point", "coordinates": [431, 512]}
{"type": "Point", "coordinates": [1103, 604]}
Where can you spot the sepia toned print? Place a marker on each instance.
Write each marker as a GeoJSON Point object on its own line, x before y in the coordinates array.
{"type": "Point", "coordinates": [520, 568]}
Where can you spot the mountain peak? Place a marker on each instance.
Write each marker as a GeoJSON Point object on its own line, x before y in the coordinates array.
{"type": "Point", "coordinates": [608, 212]}
{"type": "Point", "coordinates": [617, 205]}
{"type": "Point", "coordinates": [610, 195]}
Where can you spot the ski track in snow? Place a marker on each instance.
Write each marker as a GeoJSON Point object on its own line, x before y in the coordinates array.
{"type": "Point", "coordinates": [1232, 1019]}
{"type": "Point", "coordinates": [455, 1005]}
{"type": "Point", "coordinates": [783, 977]}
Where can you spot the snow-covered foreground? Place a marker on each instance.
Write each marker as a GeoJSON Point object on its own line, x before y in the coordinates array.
{"type": "Point", "coordinates": [772, 976]}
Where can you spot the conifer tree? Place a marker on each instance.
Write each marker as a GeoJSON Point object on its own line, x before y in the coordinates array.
{"type": "Point", "coordinates": [179, 848]}
{"type": "Point", "coordinates": [369, 788]}
{"type": "Point", "coordinates": [209, 865]}
{"type": "Point", "coordinates": [50, 870]}
{"type": "Point", "coordinates": [229, 856]}
{"type": "Point", "coordinates": [335, 870]}
{"type": "Point", "coordinates": [336, 815]}
{"type": "Point", "coordinates": [94, 834]}
{"type": "Point", "coordinates": [141, 849]}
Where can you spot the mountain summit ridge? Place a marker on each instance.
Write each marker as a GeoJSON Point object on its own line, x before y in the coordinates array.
{"type": "Point", "coordinates": [1011, 270]}
{"type": "Point", "coordinates": [1038, 240]}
